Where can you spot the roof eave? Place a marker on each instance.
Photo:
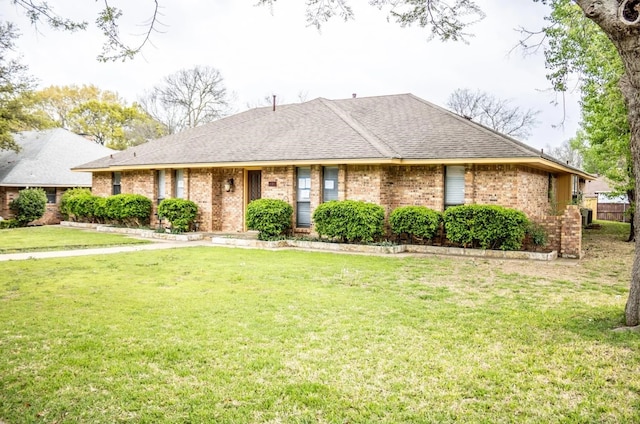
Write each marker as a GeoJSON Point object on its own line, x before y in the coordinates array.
{"type": "Point", "coordinates": [537, 162]}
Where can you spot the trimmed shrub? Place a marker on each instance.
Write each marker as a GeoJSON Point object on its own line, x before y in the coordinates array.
{"type": "Point", "coordinates": [100, 209]}
{"type": "Point", "coordinates": [271, 217]}
{"type": "Point", "coordinates": [82, 207]}
{"type": "Point", "coordinates": [129, 209]}
{"type": "Point", "coordinates": [179, 212]}
{"type": "Point", "coordinates": [349, 220]}
{"type": "Point", "coordinates": [8, 223]}
{"type": "Point", "coordinates": [415, 221]}
{"type": "Point", "coordinates": [30, 205]}
{"type": "Point", "coordinates": [485, 226]}
{"type": "Point", "coordinates": [68, 198]}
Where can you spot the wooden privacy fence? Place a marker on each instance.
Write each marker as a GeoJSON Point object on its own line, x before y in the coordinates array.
{"type": "Point", "coordinates": [613, 212]}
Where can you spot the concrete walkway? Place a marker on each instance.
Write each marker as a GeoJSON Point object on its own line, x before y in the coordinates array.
{"type": "Point", "coordinates": [156, 245]}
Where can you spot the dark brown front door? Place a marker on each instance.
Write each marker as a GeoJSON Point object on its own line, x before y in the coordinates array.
{"type": "Point", "coordinates": [254, 179]}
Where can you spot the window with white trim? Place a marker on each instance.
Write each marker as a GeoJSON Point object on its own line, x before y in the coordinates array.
{"type": "Point", "coordinates": [329, 183]}
{"type": "Point", "coordinates": [303, 204]}
{"type": "Point", "coordinates": [160, 180]}
{"type": "Point", "coordinates": [453, 186]}
{"type": "Point", "coordinates": [178, 183]}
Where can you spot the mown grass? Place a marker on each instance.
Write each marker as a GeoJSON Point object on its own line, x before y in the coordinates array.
{"type": "Point", "coordinates": [233, 336]}
{"type": "Point", "coordinates": [33, 239]}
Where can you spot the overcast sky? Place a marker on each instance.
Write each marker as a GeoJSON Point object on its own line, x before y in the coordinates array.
{"type": "Point", "coordinates": [261, 52]}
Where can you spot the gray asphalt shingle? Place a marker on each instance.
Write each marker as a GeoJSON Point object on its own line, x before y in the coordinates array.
{"type": "Point", "coordinates": [399, 126]}
{"type": "Point", "coordinates": [46, 158]}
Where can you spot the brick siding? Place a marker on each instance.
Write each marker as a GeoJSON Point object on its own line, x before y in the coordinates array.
{"type": "Point", "coordinates": [513, 186]}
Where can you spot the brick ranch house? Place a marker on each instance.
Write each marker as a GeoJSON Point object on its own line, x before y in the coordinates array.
{"type": "Point", "coordinates": [45, 160]}
{"type": "Point", "coordinates": [391, 150]}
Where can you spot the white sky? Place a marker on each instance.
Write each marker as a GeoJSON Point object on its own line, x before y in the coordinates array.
{"type": "Point", "coordinates": [260, 53]}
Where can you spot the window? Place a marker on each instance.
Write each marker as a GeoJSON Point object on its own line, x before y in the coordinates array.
{"type": "Point", "coordinates": [116, 177]}
{"type": "Point", "coordinates": [575, 189]}
{"type": "Point", "coordinates": [160, 180]}
{"type": "Point", "coordinates": [453, 186]}
{"type": "Point", "coordinates": [303, 217]}
{"type": "Point", "coordinates": [51, 194]}
{"type": "Point", "coordinates": [329, 183]}
{"type": "Point", "coordinates": [178, 183]}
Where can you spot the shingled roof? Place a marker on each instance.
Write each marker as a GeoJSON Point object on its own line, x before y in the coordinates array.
{"type": "Point", "coordinates": [401, 129]}
{"type": "Point", "coordinates": [46, 157]}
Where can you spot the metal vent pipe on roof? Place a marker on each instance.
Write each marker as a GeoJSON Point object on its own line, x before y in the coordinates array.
{"type": "Point", "coordinates": [274, 102]}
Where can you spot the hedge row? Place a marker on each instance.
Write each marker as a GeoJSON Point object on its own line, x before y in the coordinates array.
{"type": "Point", "coordinates": [131, 210]}
{"type": "Point", "coordinates": [483, 226]}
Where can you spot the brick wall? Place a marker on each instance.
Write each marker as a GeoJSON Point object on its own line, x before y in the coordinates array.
{"type": "Point", "coordinates": [533, 192]}
{"type": "Point", "coordinates": [279, 183]}
{"type": "Point", "coordinates": [571, 233]}
{"type": "Point", "coordinates": [492, 185]}
{"type": "Point", "coordinates": [415, 186]}
{"type": "Point", "coordinates": [101, 184]}
{"type": "Point", "coordinates": [363, 182]}
{"type": "Point", "coordinates": [232, 205]}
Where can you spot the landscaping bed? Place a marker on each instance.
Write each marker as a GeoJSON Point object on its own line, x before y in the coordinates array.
{"type": "Point", "coordinates": [138, 232]}
{"type": "Point", "coordinates": [383, 249]}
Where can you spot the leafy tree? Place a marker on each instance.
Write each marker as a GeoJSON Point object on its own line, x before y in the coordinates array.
{"type": "Point", "coordinates": [492, 112]}
{"type": "Point", "coordinates": [57, 102]}
{"type": "Point", "coordinates": [101, 114]}
{"type": "Point", "coordinates": [112, 124]}
{"type": "Point", "coordinates": [15, 94]}
{"type": "Point", "coordinates": [188, 98]}
{"type": "Point", "coordinates": [577, 47]}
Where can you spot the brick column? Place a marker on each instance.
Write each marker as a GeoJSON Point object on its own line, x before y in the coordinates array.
{"type": "Point", "coordinates": [571, 233]}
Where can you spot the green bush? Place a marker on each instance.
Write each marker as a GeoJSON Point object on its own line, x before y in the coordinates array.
{"type": "Point", "coordinates": [8, 223]}
{"type": "Point", "coordinates": [100, 209]}
{"type": "Point", "coordinates": [415, 221]}
{"type": "Point", "coordinates": [537, 234]}
{"type": "Point", "coordinates": [179, 212]}
{"type": "Point", "coordinates": [67, 200]}
{"type": "Point", "coordinates": [128, 209]}
{"type": "Point", "coordinates": [349, 220]}
{"type": "Point", "coordinates": [271, 217]}
{"type": "Point", "coordinates": [31, 204]}
{"type": "Point", "coordinates": [81, 207]}
{"type": "Point", "coordinates": [485, 226]}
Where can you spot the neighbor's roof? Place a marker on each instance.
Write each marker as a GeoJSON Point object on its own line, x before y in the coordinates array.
{"type": "Point", "coordinates": [395, 129]}
{"type": "Point", "coordinates": [599, 185]}
{"type": "Point", "coordinates": [46, 157]}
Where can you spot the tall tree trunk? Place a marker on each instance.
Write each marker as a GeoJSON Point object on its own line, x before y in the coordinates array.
{"type": "Point", "coordinates": [621, 23]}
{"type": "Point", "coordinates": [631, 195]}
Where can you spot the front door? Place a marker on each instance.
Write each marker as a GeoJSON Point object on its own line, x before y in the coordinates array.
{"type": "Point", "coordinates": [254, 180]}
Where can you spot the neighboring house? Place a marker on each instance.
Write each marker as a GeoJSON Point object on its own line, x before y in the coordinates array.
{"type": "Point", "coordinates": [45, 160]}
{"type": "Point", "coordinates": [392, 150]}
{"type": "Point", "coordinates": [605, 206]}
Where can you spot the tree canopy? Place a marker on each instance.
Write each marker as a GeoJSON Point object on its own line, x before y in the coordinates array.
{"type": "Point", "coordinates": [99, 114]}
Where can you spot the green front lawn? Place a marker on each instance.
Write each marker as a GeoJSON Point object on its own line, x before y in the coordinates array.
{"type": "Point", "coordinates": [32, 239]}
{"type": "Point", "coordinates": [221, 335]}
